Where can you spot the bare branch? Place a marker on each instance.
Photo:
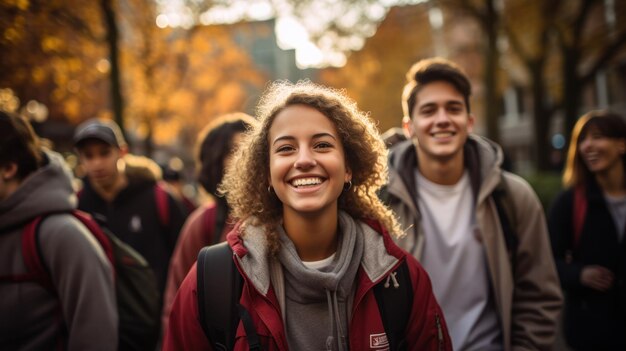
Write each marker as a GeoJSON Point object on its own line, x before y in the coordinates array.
{"type": "Point", "coordinates": [609, 52]}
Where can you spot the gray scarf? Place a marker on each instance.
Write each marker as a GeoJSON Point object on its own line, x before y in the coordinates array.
{"type": "Point", "coordinates": [315, 297]}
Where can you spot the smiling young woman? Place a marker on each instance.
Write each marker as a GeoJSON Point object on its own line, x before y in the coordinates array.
{"type": "Point", "coordinates": [587, 227]}
{"type": "Point", "coordinates": [313, 238]}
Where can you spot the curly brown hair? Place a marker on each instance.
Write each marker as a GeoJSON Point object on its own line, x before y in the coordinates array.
{"type": "Point", "coordinates": [246, 182]}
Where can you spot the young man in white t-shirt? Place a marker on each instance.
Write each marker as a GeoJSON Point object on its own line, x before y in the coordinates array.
{"type": "Point", "coordinates": [440, 186]}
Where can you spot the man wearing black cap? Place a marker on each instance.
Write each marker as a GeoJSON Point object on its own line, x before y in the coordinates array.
{"type": "Point", "coordinates": [124, 190]}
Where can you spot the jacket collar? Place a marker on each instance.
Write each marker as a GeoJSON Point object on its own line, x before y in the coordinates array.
{"type": "Point", "coordinates": [380, 254]}
{"type": "Point", "coordinates": [482, 159]}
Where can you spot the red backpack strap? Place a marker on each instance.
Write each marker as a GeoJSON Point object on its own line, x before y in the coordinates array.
{"type": "Point", "coordinates": [97, 232]}
{"type": "Point", "coordinates": [580, 211]}
{"type": "Point", "coordinates": [32, 259]}
{"type": "Point", "coordinates": [162, 203]}
{"type": "Point", "coordinates": [36, 270]}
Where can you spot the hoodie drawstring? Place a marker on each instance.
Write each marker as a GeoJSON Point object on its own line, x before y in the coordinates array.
{"type": "Point", "coordinates": [333, 309]}
{"type": "Point", "coordinates": [392, 276]}
{"type": "Point", "coordinates": [330, 338]}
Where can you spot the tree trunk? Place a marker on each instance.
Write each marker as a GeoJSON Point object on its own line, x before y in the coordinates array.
{"type": "Point", "coordinates": [572, 90]}
{"type": "Point", "coordinates": [491, 73]}
{"type": "Point", "coordinates": [149, 142]}
{"type": "Point", "coordinates": [541, 116]}
{"type": "Point", "coordinates": [112, 37]}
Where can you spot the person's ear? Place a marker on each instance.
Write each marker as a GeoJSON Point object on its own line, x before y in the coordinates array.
{"type": "Point", "coordinates": [621, 146]}
{"type": "Point", "coordinates": [407, 126]}
{"type": "Point", "coordinates": [123, 151]}
{"type": "Point", "coordinates": [470, 122]}
{"type": "Point", "coordinates": [9, 171]}
{"type": "Point", "coordinates": [348, 175]}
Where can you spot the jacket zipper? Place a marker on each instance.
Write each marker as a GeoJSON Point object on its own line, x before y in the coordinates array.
{"type": "Point", "coordinates": [439, 331]}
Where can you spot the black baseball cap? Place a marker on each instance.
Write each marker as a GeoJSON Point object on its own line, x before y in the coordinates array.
{"type": "Point", "coordinates": [100, 129]}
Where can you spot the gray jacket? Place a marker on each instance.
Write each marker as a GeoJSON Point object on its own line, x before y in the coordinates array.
{"type": "Point", "coordinates": [84, 315]}
{"type": "Point", "coordinates": [528, 301]}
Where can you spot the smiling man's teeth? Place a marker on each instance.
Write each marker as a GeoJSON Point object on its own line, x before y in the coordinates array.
{"type": "Point", "coordinates": [306, 181]}
{"type": "Point", "coordinates": [443, 134]}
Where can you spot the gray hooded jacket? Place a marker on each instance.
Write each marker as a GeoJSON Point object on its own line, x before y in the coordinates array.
{"type": "Point", "coordinates": [84, 315]}
{"type": "Point", "coordinates": [529, 300]}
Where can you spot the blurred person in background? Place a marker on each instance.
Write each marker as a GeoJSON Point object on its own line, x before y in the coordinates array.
{"type": "Point", "coordinates": [587, 224]}
{"type": "Point", "coordinates": [394, 135]}
{"type": "Point", "coordinates": [78, 310]}
{"type": "Point", "coordinates": [210, 222]}
{"type": "Point", "coordinates": [123, 190]}
{"type": "Point", "coordinates": [172, 176]}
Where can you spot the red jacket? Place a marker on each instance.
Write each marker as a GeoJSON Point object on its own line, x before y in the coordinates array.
{"type": "Point", "coordinates": [426, 329]}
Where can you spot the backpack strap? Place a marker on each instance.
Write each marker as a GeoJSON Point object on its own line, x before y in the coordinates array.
{"type": "Point", "coordinates": [162, 203]}
{"type": "Point", "coordinates": [254, 344]}
{"type": "Point", "coordinates": [31, 254]}
{"type": "Point", "coordinates": [579, 213]}
{"type": "Point", "coordinates": [31, 251]}
{"type": "Point", "coordinates": [507, 215]}
{"type": "Point", "coordinates": [394, 296]}
{"type": "Point", "coordinates": [219, 290]}
{"type": "Point", "coordinates": [95, 229]}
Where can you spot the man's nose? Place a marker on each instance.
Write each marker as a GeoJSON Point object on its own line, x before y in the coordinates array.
{"type": "Point", "coordinates": [442, 116]}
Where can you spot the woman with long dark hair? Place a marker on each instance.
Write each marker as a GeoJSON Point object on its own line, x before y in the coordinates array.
{"type": "Point", "coordinates": [209, 223]}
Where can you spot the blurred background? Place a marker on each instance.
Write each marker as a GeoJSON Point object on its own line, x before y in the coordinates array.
{"type": "Point", "coordinates": [163, 68]}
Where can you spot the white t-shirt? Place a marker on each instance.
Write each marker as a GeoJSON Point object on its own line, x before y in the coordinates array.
{"type": "Point", "coordinates": [319, 264]}
{"type": "Point", "coordinates": [456, 263]}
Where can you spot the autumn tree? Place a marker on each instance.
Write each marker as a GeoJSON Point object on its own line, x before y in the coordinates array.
{"type": "Point", "coordinates": [374, 76]}
{"type": "Point", "coordinates": [107, 8]}
{"type": "Point", "coordinates": [487, 16]}
{"type": "Point", "coordinates": [532, 43]}
{"type": "Point", "coordinates": [51, 53]}
{"type": "Point", "coordinates": [588, 42]}
{"type": "Point", "coordinates": [563, 48]}
{"type": "Point", "coordinates": [178, 79]}
{"type": "Point", "coordinates": [62, 54]}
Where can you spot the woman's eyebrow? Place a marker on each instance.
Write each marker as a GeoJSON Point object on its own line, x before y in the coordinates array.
{"type": "Point", "coordinates": [315, 136]}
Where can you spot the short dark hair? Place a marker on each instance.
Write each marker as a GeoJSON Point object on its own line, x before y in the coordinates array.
{"type": "Point", "coordinates": [215, 143]}
{"type": "Point", "coordinates": [432, 70]}
{"type": "Point", "coordinates": [19, 144]}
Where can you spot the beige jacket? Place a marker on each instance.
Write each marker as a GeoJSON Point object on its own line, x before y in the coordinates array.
{"type": "Point", "coordinates": [528, 301]}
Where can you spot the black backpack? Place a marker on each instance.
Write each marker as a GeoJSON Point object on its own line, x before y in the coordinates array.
{"type": "Point", "coordinates": [505, 207]}
{"type": "Point", "coordinates": [138, 298]}
{"type": "Point", "coordinates": [219, 292]}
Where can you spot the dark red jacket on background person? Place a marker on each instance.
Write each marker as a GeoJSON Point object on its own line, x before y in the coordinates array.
{"type": "Point", "coordinates": [426, 328]}
{"type": "Point", "coordinates": [198, 232]}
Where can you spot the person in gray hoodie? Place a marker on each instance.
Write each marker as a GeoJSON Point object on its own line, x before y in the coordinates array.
{"type": "Point", "coordinates": [444, 185]}
{"type": "Point", "coordinates": [81, 313]}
